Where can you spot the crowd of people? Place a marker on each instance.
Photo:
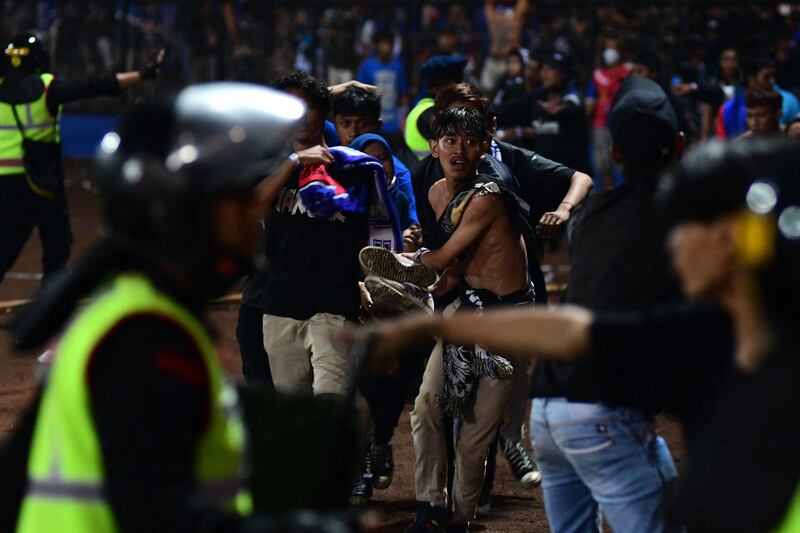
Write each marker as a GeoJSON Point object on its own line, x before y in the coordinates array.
{"type": "Point", "coordinates": [427, 220]}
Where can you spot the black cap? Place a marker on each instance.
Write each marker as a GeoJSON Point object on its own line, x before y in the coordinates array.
{"type": "Point", "coordinates": [439, 67]}
{"type": "Point", "coordinates": [557, 60]}
{"type": "Point", "coordinates": [642, 121]}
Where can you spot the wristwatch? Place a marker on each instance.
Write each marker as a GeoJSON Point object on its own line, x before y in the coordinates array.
{"type": "Point", "coordinates": [418, 255]}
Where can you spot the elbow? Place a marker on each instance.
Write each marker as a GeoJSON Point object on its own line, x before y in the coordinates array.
{"type": "Point", "coordinates": [584, 180]}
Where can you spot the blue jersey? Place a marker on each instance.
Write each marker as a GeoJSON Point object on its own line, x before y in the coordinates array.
{"type": "Point", "coordinates": [390, 78]}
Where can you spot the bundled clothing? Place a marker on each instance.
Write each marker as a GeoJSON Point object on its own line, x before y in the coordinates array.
{"type": "Point", "coordinates": [326, 197]}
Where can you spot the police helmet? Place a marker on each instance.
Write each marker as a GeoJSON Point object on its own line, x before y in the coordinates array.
{"type": "Point", "coordinates": [159, 175]}
{"type": "Point", "coordinates": [27, 52]}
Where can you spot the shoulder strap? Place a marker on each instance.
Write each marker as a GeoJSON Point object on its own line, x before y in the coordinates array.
{"type": "Point", "coordinates": [16, 118]}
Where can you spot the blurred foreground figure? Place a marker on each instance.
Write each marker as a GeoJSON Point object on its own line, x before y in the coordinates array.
{"type": "Point", "coordinates": [726, 364]}
{"type": "Point", "coordinates": [136, 429]}
{"type": "Point", "coordinates": [31, 177]}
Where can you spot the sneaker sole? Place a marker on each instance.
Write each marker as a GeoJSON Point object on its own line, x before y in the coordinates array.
{"type": "Point", "coordinates": [387, 297]}
{"type": "Point", "coordinates": [381, 262]}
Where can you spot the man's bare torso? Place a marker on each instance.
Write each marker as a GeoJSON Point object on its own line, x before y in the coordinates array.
{"type": "Point", "coordinates": [496, 260]}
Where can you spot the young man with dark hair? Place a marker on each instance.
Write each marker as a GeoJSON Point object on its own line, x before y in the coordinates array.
{"type": "Point", "coordinates": [478, 243]}
{"type": "Point", "coordinates": [552, 190]}
{"type": "Point", "coordinates": [763, 112]}
{"type": "Point", "coordinates": [759, 75]}
{"type": "Point", "coordinates": [310, 284]}
{"type": "Point", "coordinates": [357, 112]}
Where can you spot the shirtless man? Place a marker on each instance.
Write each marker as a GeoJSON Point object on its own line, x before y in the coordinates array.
{"type": "Point", "coordinates": [479, 243]}
{"type": "Point", "coordinates": [505, 30]}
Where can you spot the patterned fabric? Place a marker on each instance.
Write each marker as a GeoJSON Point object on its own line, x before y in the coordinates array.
{"type": "Point", "coordinates": [464, 365]}
{"type": "Point", "coordinates": [324, 196]}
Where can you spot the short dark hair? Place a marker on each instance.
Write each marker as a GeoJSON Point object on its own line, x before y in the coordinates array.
{"type": "Point", "coordinates": [383, 35]}
{"type": "Point", "coordinates": [771, 99]}
{"type": "Point", "coordinates": [462, 95]}
{"type": "Point", "coordinates": [754, 63]}
{"type": "Point", "coordinates": [315, 91]}
{"type": "Point", "coordinates": [649, 59]}
{"type": "Point", "coordinates": [458, 120]}
{"type": "Point", "coordinates": [355, 101]}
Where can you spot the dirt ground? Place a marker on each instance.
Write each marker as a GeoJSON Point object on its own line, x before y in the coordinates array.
{"type": "Point", "coordinates": [514, 509]}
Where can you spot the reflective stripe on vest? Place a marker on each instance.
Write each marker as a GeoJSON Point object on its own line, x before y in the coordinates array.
{"type": "Point", "coordinates": [65, 490]}
{"type": "Point", "coordinates": [36, 120]}
{"type": "Point", "coordinates": [414, 139]}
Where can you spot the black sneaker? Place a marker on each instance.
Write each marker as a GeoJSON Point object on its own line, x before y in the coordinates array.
{"type": "Point", "coordinates": [381, 457]}
{"type": "Point", "coordinates": [522, 464]}
{"type": "Point", "coordinates": [484, 506]}
{"type": "Point", "coordinates": [362, 488]}
{"type": "Point", "coordinates": [429, 519]}
{"type": "Point", "coordinates": [383, 263]}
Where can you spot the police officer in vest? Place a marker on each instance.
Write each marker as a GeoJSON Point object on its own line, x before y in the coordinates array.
{"type": "Point", "coordinates": [136, 429]}
{"type": "Point", "coordinates": [32, 185]}
{"type": "Point", "coordinates": [437, 73]}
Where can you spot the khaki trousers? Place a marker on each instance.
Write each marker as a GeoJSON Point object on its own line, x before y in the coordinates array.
{"type": "Point", "coordinates": [302, 356]}
{"type": "Point", "coordinates": [477, 432]}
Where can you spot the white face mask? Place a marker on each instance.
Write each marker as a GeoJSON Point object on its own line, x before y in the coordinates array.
{"type": "Point", "coordinates": [610, 56]}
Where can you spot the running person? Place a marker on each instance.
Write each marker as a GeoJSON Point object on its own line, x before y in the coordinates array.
{"type": "Point", "coordinates": [479, 243]}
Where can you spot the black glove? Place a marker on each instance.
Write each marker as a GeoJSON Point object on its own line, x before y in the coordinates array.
{"type": "Point", "coordinates": [154, 67]}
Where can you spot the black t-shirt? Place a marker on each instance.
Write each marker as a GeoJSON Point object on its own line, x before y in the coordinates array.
{"type": "Point", "coordinates": [312, 262]}
{"type": "Point", "coordinates": [619, 262]}
{"type": "Point", "coordinates": [742, 430]}
{"type": "Point", "coordinates": [561, 137]}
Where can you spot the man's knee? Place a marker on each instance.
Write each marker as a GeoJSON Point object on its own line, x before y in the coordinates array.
{"type": "Point", "coordinates": [426, 412]}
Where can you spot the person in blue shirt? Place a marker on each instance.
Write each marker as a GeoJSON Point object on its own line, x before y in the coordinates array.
{"type": "Point", "coordinates": [759, 75]}
{"type": "Point", "coordinates": [356, 112]}
{"type": "Point", "coordinates": [386, 71]}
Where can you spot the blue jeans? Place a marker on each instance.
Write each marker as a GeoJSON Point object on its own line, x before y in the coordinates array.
{"type": "Point", "coordinates": [592, 454]}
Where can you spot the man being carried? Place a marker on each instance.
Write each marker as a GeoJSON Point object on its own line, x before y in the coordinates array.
{"type": "Point", "coordinates": [479, 242]}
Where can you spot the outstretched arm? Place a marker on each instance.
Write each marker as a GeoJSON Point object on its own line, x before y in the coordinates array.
{"type": "Point", "coordinates": [580, 185]}
{"type": "Point", "coordinates": [563, 333]}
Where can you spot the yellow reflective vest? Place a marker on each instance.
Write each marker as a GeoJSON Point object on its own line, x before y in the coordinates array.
{"type": "Point", "coordinates": [65, 468]}
{"type": "Point", "coordinates": [414, 139]}
{"type": "Point", "coordinates": [37, 122]}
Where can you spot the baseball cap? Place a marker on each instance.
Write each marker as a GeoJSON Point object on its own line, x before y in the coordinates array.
{"type": "Point", "coordinates": [557, 60]}
{"type": "Point", "coordinates": [443, 66]}
{"type": "Point", "coordinates": [643, 123]}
